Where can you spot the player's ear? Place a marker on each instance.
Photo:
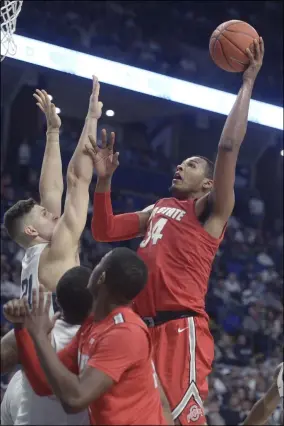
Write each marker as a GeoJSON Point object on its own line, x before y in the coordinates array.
{"type": "Point", "coordinates": [207, 184]}
{"type": "Point", "coordinates": [101, 279]}
{"type": "Point", "coordinates": [30, 231]}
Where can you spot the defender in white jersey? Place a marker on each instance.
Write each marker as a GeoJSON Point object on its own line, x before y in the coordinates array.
{"type": "Point", "coordinates": [51, 240]}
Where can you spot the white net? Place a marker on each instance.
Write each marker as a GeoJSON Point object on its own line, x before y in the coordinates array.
{"type": "Point", "coordinates": [9, 14]}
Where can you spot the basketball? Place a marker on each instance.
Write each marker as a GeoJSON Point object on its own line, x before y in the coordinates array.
{"type": "Point", "coordinates": [228, 45]}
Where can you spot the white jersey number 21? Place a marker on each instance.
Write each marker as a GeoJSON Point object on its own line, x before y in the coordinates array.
{"type": "Point", "coordinates": [155, 232]}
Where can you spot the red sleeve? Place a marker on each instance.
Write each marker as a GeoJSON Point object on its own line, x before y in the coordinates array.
{"type": "Point", "coordinates": [31, 364]}
{"type": "Point", "coordinates": [107, 227]}
{"type": "Point", "coordinates": [118, 350]}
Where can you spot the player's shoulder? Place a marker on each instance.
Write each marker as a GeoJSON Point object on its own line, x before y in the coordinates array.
{"type": "Point", "coordinates": [125, 315]}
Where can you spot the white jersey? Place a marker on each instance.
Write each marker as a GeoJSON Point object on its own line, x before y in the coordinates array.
{"type": "Point", "coordinates": [29, 275]}
{"type": "Point", "coordinates": [33, 409]}
{"type": "Point", "coordinates": [11, 400]}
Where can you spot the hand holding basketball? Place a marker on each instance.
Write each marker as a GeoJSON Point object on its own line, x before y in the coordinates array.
{"type": "Point", "coordinates": [43, 102]}
{"type": "Point", "coordinates": [255, 54]}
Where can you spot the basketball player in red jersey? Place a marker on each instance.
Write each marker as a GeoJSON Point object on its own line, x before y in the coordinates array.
{"type": "Point", "coordinates": [183, 234]}
{"type": "Point", "coordinates": [110, 367]}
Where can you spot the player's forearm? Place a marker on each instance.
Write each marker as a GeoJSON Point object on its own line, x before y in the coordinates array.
{"type": "Point", "coordinates": [228, 151]}
{"type": "Point", "coordinates": [236, 124]}
{"type": "Point", "coordinates": [106, 226]}
{"type": "Point", "coordinates": [65, 385]}
{"type": "Point", "coordinates": [263, 408]}
{"type": "Point", "coordinates": [30, 363]}
{"type": "Point", "coordinates": [81, 165]}
{"type": "Point", "coordinates": [103, 185]}
{"type": "Point", "coordinates": [51, 179]}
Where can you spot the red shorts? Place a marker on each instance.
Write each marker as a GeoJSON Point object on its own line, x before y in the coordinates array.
{"type": "Point", "coordinates": [183, 355]}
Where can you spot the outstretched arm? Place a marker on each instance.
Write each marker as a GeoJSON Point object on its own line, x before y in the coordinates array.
{"type": "Point", "coordinates": [79, 175]}
{"type": "Point", "coordinates": [51, 180]}
{"type": "Point", "coordinates": [105, 225]}
{"type": "Point", "coordinates": [232, 137]}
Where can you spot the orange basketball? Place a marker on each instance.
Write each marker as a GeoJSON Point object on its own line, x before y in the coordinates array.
{"type": "Point", "coordinates": [228, 45]}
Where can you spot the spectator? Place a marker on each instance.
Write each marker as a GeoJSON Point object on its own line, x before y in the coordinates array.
{"type": "Point", "coordinates": [232, 284]}
{"type": "Point", "coordinates": [243, 351]}
{"type": "Point", "coordinates": [264, 259]}
{"type": "Point", "coordinates": [256, 209]}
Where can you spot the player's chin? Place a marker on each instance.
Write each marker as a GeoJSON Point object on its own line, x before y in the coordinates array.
{"type": "Point", "coordinates": [177, 191]}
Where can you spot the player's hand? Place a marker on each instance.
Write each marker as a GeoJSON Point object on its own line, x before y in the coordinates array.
{"type": "Point", "coordinates": [37, 320]}
{"type": "Point", "coordinates": [14, 311]}
{"type": "Point", "coordinates": [105, 161]}
{"type": "Point", "coordinates": [255, 54]}
{"type": "Point", "coordinates": [43, 102]}
{"type": "Point", "coordinates": [95, 107]}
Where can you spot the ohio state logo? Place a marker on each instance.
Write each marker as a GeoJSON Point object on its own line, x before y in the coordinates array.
{"type": "Point", "coordinates": [194, 413]}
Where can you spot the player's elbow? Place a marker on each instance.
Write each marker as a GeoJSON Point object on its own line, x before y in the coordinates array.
{"type": "Point", "coordinates": [230, 144]}
{"type": "Point", "coordinates": [69, 409]}
{"type": "Point", "coordinates": [72, 405]}
{"type": "Point", "coordinates": [40, 391]}
{"type": "Point", "coordinates": [99, 234]}
{"type": "Point", "coordinates": [72, 177]}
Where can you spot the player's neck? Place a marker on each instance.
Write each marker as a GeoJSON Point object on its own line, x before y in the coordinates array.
{"type": "Point", "coordinates": [189, 196]}
{"type": "Point", "coordinates": [102, 308]}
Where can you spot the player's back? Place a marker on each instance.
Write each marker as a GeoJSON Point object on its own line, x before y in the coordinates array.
{"type": "Point", "coordinates": [179, 254]}
{"type": "Point", "coordinates": [134, 397]}
{"type": "Point", "coordinates": [34, 409]}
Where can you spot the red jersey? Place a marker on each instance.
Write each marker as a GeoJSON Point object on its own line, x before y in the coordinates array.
{"type": "Point", "coordinates": [179, 254]}
{"type": "Point", "coordinates": [119, 346]}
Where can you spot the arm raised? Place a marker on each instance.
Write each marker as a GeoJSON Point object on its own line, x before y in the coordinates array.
{"type": "Point", "coordinates": [79, 175]}
{"type": "Point", "coordinates": [105, 225]}
{"type": "Point", "coordinates": [233, 134]}
{"type": "Point", "coordinates": [51, 180]}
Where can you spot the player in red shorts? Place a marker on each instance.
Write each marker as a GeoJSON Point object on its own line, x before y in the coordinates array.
{"type": "Point", "coordinates": [182, 236]}
{"type": "Point", "coordinates": [109, 361]}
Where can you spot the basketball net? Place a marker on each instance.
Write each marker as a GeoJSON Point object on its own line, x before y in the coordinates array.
{"type": "Point", "coordinates": [9, 14]}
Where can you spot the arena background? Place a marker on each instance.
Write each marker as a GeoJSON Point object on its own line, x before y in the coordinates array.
{"type": "Point", "coordinates": [171, 38]}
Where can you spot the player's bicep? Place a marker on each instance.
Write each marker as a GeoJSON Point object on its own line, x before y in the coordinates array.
{"type": "Point", "coordinates": [224, 181]}
{"type": "Point", "coordinates": [9, 352]}
{"type": "Point", "coordinates": [51, 200]}
{"type": "Point", "coordinates": [72, 223]}
{"type": "Point", "coordinates": [144, 217]}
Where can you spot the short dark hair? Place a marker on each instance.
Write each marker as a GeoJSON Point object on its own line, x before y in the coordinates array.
{"type": "Point", "coordinates": [209, 167]}
{"type": "Point", "coordinates": [15, 213]}
{"type": "Point", "coordinates": [125, 274]}
{"type": "Point", "coordinates": [73, 295]}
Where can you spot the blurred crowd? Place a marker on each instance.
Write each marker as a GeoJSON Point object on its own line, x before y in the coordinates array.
{"type": "Point", "coordinates": [244, 298]}
{"type": "Point", "coordinates": [168, 37]}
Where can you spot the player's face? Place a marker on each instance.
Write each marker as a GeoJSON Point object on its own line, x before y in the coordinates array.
{"type": "Point", "coordinates": [190, 176]}
{"type": "Point", "coordinates": [40, 223]}
{"type": "Point", "coordinates": [97, 277]}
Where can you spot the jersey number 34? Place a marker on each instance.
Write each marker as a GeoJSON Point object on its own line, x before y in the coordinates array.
{"type": "Point", "coordinates": [154, 233]}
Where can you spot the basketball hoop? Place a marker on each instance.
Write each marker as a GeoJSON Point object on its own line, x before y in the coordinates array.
{"type": "Point", "coordinates": [9, 14]}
